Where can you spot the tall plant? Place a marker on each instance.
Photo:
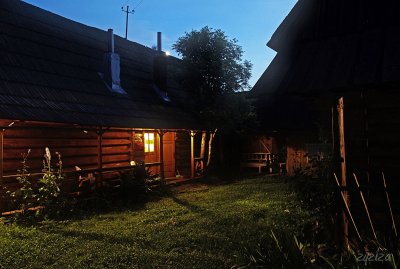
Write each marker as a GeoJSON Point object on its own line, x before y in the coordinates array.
{"type": "Point", "coordinates": [23, 198]}
{"type": "Point", "coordinates": [49, 192]}
{"type": "Point", "coordinates": [44, 196]}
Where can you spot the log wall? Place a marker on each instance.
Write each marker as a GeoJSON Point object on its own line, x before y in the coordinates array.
{"type": "Point", "coordinates": [372, 121]}
{"type": "Point", "coordinates": [182, 153]}
{"type": "Point", "coordinates": [79, 147]}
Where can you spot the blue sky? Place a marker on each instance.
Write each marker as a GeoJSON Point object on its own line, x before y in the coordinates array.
{"type": "Point", "coordinates": [251, 22]}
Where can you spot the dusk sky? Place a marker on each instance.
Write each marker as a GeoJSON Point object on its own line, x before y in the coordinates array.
{"type": "Point", "coordinates": [251, 22]}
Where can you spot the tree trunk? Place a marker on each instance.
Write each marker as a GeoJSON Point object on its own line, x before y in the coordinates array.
{"type": "Point", "coordinates": [210, 146]}
{"type": "Point", "coordinates": [203, 144]}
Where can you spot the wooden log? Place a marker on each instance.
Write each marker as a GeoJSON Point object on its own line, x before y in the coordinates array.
{"type": "Point", "coordinates": [192, 172]}
{"type": "Point", "coordinates": [346, 204]}
{"type": "Point", "coordinates": [100, 154]}
{"type": "Point", "coordinates": [1, 156]}
{"type": "Point", "coordinates": [161, 138]}
{"type": "Point", "coordinates": [344, 222]}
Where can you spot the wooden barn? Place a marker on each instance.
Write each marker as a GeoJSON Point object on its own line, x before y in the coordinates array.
{"type": "Point", "coordinates": [328, 50]}
{"type": "Point", "coordinates": [103, 102]}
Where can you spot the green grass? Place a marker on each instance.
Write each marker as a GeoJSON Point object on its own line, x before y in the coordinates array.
{"type": "Point", "coordinates": [208, 228]}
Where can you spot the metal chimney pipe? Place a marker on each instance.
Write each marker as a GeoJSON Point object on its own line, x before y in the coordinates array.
{"type": "Point", "coordinates": [159, 41]}
{"type": "Point", "coordinates": [110, 40]}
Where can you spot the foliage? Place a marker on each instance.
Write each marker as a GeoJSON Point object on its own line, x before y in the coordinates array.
{"type": "Point", "coordinates": [214, 70]}
{"type": "Point", "coordinates": [315, 246]}
{"type": "Point", "coordinates": [49, 196]}
{"type": "Point", "coordinates": [283, 250]}
{"type": "Point", "coordinates": [216, 61]}
{"type": "Point", "coordinates": [23, 198]}
{"type": "Point", "coordinates": [315, 186]}
{"type": "Point", "coordinates": [279, 251]}
{"type": "Point", "coordinates": [37, 199]}
{"type": "Point", "coordinates": [236, 114]}
{"type": "Point", "coordinates": [138, 182]}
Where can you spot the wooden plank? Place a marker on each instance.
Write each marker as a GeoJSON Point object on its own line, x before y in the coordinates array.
{"type": "Point", "coordinates": [100, 151]}
{"type": "Point", "coordinates": [182, 153]}
{"type": "Point", "coordinates": [16, 154]}
{"type": "Point", "coordinates": [344, 221]}
{"type": "Point", "coordinates": [132, 146]}
{"type": "Point", "coordinates": [51, 143]}
{"type": "Point", "coordinates": [116, 158]}
{"type": "Point", "coordinates": [117, 135]}
{"type": "Point", "coordinates": [192, 134]}
{"type": "Point", "coordinates": [169, 155]}
{"type": "Point", "coordinates": [49, 133]}
{"type": "Point", "coordinates": [1, 156]}
{"type": "Point", "coordinates": [117, 149]}
{"type": "Point", "coordinates": [161, 139]}
{"type": "Point", "coordinates": [115, 142]}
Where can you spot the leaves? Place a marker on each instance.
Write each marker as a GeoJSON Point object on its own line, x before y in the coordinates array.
{"type": "Point", "coordinates": [214, 71]}
{"type": "Point", "coordinates": [44, 194]}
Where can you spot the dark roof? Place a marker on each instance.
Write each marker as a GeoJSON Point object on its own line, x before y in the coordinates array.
{"type": "Point", "coordinates": [334, 45]}
{"type": "Point", "coordinates": [49, 71]}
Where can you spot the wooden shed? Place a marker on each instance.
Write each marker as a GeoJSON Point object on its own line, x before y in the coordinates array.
{"type": "Point", "coordinates": [103, 102]}
{"type": "Point", "coordinates": [327, 50]}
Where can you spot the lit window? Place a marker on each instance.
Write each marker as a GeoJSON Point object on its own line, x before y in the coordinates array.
{"type": "Point", "coordinates": [148, 142]}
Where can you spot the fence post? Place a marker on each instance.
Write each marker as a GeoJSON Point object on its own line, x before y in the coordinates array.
{"type": "Point", "coordinates": [344, 223]}
{"type": "Point", "coordinates": [192, 168]}
{"type": "Point", "coordinates": [161, 136]}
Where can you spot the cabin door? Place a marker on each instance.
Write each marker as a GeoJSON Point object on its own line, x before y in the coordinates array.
{"type": "Point", "coordinates": [169, 154]}
{"type": "Point", "coordinates": [151, 151]}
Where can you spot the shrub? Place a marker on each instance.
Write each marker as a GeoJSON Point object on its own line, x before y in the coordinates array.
{"type": "Point", "coordinates": [22, 199]}
{"type": "Point", "coordinates": [138, 183]}
{"type": "Point", "coordinates": [35, 200]}
{"type": "Point", "coordinates": [315, 187]}
{"type": "Point", "coordinates": [49, 195]}
{"type": "Point", "coordinates": [283, 250]}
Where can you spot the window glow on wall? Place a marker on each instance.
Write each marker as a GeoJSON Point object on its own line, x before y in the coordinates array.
{"type": "Point", "coordinates": [148, 142]}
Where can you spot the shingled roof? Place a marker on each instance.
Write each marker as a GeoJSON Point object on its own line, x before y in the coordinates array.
{"type": "Point", "coordinates": [49, 71]}
{"type": "Point", "coordinates": [334, 45]}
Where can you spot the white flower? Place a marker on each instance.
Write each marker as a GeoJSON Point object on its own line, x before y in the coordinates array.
{"type": "Point", "coordinates": [48, 155]}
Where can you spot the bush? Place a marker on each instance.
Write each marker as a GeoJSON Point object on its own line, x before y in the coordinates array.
{"type": "Point", "coordinates": [138, 183]}
{"type": "Point", "coordinates": [49, 196]}
{"type": "Point", "coordinates": [283, 250]}
{"type": "Point", "coordinates": [315, 187]}
{"type": "Point", "coordinates": [35, 200]}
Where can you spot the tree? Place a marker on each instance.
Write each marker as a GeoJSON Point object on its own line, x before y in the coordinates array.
{"type": "Point", "coordinates": [214, 69]}
{"type": "Point", "coordinates": [216, 74]}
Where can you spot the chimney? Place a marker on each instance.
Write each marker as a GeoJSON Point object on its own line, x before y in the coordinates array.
{"type": "Point", "coordinates": [159, 47]}
{"type": "Point", "coordinates": [111, 72]}
{"type": "Point", "coordinates": [110, 40]}
{"type": "Point", "coordinates": [160, 71]}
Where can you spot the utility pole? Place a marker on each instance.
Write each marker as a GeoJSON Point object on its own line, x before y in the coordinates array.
{"type": "Point", "coordinates": [127, 11]}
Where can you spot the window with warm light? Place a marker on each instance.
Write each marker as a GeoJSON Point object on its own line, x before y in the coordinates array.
{"type": "Point", "coordinates": [148, 142]}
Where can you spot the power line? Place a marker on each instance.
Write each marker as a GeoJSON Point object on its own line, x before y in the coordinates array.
{"type": "Point", "coordinates": [127, 11]}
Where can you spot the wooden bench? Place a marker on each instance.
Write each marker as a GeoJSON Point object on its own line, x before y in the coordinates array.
{"type": "Point", "coordinates": [256, 160]}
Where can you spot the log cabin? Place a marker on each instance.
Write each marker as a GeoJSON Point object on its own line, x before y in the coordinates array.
{"type": "Point", "coordinates": [328, 50]}
{"type": "Point", "coordinates": [103, 102]}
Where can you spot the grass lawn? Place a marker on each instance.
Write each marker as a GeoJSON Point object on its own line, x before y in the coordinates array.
{"type": "Point", "coordinates": [207, 228]}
